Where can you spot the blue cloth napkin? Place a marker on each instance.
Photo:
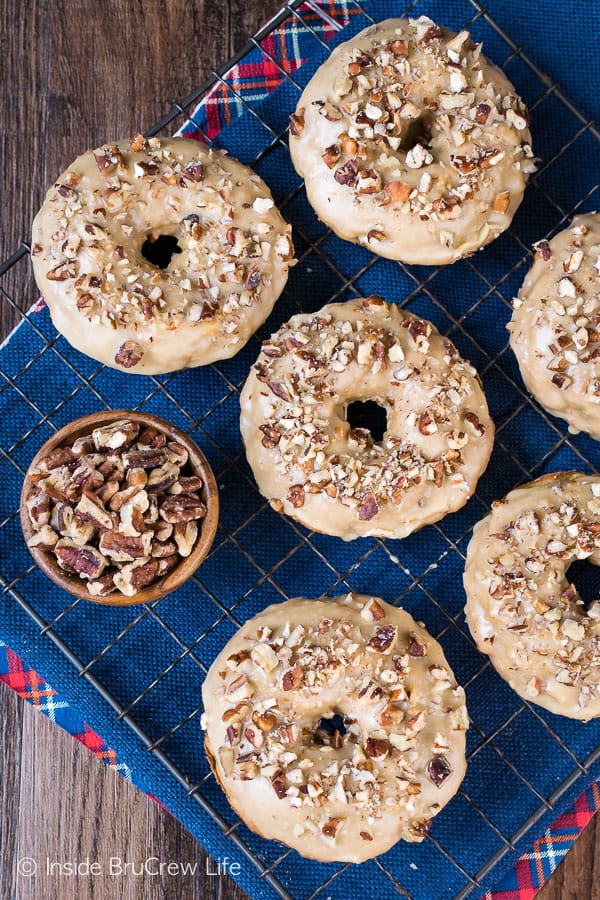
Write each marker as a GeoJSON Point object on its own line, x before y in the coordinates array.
{"type": "Point", "coordinates": [156, 657]}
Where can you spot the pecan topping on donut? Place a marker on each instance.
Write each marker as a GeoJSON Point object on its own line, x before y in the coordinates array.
{"type": "Point", "coordinates": [297, 123]}
{"type": "Point", "coordinates": [376, 748]}
{"type": "Point", "coordinates": [384, 638]}
{"type": "Point", "coordinates": [292, 678]}
{"type": "Point", "coordinates": [129, 354]}
{"type": "Point", "coordinates": [438, 769]}
{"type": "Point", "coordinates": [296, 495]}
{"type": "Point", "coordinates": [395, 124]}
{"type": "Point", "coordinates": [368, 508]}
{"type": "Point", "coordinates": [415, 648]}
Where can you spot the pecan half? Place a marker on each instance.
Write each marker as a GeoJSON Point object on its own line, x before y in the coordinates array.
{"type": "Point", "coordinates": [85, 561]}
{"type": "Point", "coordinates": [182, 508]}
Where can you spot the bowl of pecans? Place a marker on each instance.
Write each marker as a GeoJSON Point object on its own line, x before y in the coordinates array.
{"type": "Point", "coordinates": [119, 507]}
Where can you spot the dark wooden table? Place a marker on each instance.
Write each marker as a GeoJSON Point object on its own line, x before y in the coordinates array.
{"type": "Point", "coordinates": [73, 74]}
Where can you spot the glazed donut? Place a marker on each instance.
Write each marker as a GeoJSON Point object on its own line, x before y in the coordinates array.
{"type": "Point", "coordinates": [394, 760]}
{"type": "Point", "coordinates": [521, 608]}
{"type": "Point", "coordinates": [555, 327]}
{"type": "Point", "coordinates": [96, 234]}
{"type": "Point", "coordinates": [312, 465]}
{"type": "Point", "coordinates": [412, 143]}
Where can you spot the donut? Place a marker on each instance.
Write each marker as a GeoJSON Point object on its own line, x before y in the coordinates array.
{"type": "Point", "coordinates": [555, 326]}
{"type": "Point", "coordinates": [311, 463]}
{"type": "Point", "coordinates": [160, 254]}
{"type": "Point", "coordinates": [335, 726]}
{"type": "Point", "coordinates": [521, 608]}
{"type": "Point", "coordinates": [412, 143]}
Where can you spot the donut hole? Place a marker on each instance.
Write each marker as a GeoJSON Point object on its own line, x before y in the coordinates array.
{"type": "Point", "coordinates": [585, 577]}
{"type": "Point", "coordinates": [330, 730]}
{"type": "Point", "coordinates": [368, 415]}
{"type": "Point", "coordinates": [418, 131]}
{"type": "Point", "coordinates": [158, 249]}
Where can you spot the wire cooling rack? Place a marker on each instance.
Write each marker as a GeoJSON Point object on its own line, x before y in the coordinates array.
{"type": "Point", "coordinates": [509, 786]}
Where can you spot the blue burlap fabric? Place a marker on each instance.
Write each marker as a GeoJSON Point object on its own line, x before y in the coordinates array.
{"type": "Point", "coordinates": [521, 755]}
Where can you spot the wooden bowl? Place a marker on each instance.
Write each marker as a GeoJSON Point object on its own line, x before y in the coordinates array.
{"type": "Point", "coordinates": [207, 526]}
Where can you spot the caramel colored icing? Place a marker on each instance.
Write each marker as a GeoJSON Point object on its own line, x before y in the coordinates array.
{"type": "Point", "coordinates": [555, 328]}
{"type": "Point", "coordinates": [521, 608]}
{"type": "Point", "coordinates": [310, 463]}
{"type": "Point", "coordinates": [351, 792]}
{"type": "Point", "coordinates": [110, 302]}
{"type": "Point", "coordinates": [412, 143]}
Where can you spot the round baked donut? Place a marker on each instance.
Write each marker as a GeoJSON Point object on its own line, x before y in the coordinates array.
{"type": "Point", "coordinates": [521, 608]}
{"type": "Point", "coordinates": [412, 143]}
{"type": "Point", "coordinates": [390, 761]}
{"type": "Point", "coordinates": [312, 465]}
{"type": "Point", "coordinates": [116, 296]}
{"type": "Point", "coordinates": [555, 327]}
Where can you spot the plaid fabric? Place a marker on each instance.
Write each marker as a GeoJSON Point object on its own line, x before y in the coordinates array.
{"type": "Point", "coordinates": [263, 69]}
{"type": "Point", "coordinates": [32, 687]}
{"type": "Point", "coordinates": [533, 869]}
{"type": "Point", "coordinates": [251, 83]}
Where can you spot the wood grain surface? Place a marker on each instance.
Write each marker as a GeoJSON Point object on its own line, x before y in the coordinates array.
{"type": "Point", "coordinates": [73, 74]}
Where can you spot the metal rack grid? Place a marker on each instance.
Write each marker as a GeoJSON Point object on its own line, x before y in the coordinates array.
{"type": "Point", "coordinates": [305, 13]}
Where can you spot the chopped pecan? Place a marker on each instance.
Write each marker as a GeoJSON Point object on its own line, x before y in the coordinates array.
{"type": "Point", "coordinates": [296, 495]}
{"type": "Point", "coordinates": [129, 354]}
{"type": "Point", "coordinates": [292, 678]}
{"type": "Point", "coordinates": [185, 535]}
{"type": "Point", "coordinates": [265, 721]}
{"type": "Point", "coordinates": [297, 123]}
{"type": "Point", "coordinates": [162, 478]}
{"type": "Point", "coordinates": [372, 611]}
{"type": "Point", "coordinates": [502, 202]}
{"type": "Point", "coordinates": [85, 560]}
{"type": "Point", "coordinates": [331, 156]}
{"type": "Point", "coordinates": [376, 748]}
{"type": "Point", "coordinates": [164, 549]}
{"type": "Point", "coordinates": [398, 191]}
{"type": "Point", "coordinates": [134, 577]}
{"type": "Point", "coordinates": [38, 507]}
{"type": "Point", "coordinates": [482, 113]}
{"type": "Point", "coordinates": [125, 547]}
{"type": "Point", "coordinates": [166, 564]}
{"type": "Point", "coordinates": [60, 456]}
{"type": "Point", "coordinates": [103, 586]}
{"type": "Point", "coordinates": [253, 278]}
{"type": "Point", "coordinates": [193, 172]}
{"type": "Point", "coordinates": [384, 638]}
{"type": "Point", "coordinates": [427, 424]}
{"type": "Point", "coordinates": [415, 648]}
{"type": "Point", "coordinates": [346, 174]}
{"type": "Point", "coordinates": [368, 508]}
{"type": "Point", "coordinates": [150, 438]}
{"type": "Point", "coordinates": [278, 389]}
{"type": "Point", "coordinates": [115, 435]}
{"type": "Point", "coordinates": [91, 509]}
{"type": "Point", "coordinates": [331, 826]}
{"type": "Point", "coordinates": [438, 769]}
{"type": "Point", "coordinates": [44, 539]}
